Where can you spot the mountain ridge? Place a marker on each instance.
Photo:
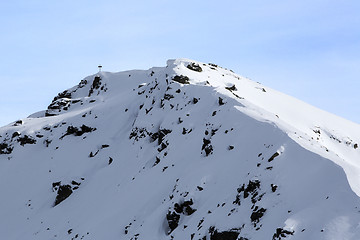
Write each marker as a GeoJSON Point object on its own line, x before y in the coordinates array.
{"type": "Point", "coordinates": [190, 150]}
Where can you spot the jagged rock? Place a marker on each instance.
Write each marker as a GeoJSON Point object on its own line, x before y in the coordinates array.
{"type": "Point", "coordinates": [281, 233]}
{"type": "Point", "coordinates": [221, 101]}
{"type": "Point", "coordinates": [207, 147]}
{"type": "Point", "coordinates": [273, 188]}
{"type": "Point", "coordinates": [251, 189]}
{"type": "Point", "coordinates": [18, 123]}
{"type": "Point", "coordinates": [59, 104]}
{"type": "Point", "coordinates": [173, 220]}
{"type": "Point", "coordinates": [63, 193]}
{"type": "Point", "coordinates": [55, 186]}
{"type": "Point", "coordinates": [71, 130]}
{"type": "Point", "coordinates": [195, 67]}
{"type": "Point", "coordinates": [232, 88]}
{"type": "Point", "coordinates": [26, 140]}
{"type": "Point", "coordinates": [82, 83]}
{"type": "Point", "coordinates": [5, 148]}
{"type": "Point", "coordinates": [157, 161]}
{"type": "Point", "coordinates": [184, 207]}
{"type": "Point", "coordinates": [168, 96]}
{"type": "Point", "coordinates": [95, 85]}
{"type": "Point", "coordinates": [15, 134]}
{"type": "Point", "coordinates": [64, 94]}
{"type": "Point", "coordinates": [257, 214]}
{"type": "Point", "coordinates": [138, 133]}
{"type": "Point", "coordinates": [181, 79]}
{"type": "Point", "coordinates": [159, 135]}
{"type": "Point", "coordinates": [273, 156]}
{"type": "Point", "coordinates": [224, 235]}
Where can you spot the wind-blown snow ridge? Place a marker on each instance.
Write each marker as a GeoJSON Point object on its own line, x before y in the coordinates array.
{"type": "Point", "coordinates": [186, 151]}
{"type": "Point", "coordinates": [326, 134]}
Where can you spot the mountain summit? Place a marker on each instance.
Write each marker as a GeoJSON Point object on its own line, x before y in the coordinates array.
{"type": "Point", "coordinates": [187, 151]}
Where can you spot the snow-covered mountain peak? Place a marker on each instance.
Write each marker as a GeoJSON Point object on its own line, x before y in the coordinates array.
{"type": "Point", "coordinates": [186, 151]}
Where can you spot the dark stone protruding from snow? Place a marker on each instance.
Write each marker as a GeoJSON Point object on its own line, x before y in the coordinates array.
{"type": "Point", "coordinates": [225, 235]}
{"type": "Point", "coordinates": [159, 135]}
{"type": "Point", "coordinates": [195, 67]}
{"type": "Point", "coordinates": [55, 186]}
{"type": "Point", "coordinates": [173, 217]}
{"type": "Point", "coordinates": [63, 193]}
{"type": "Point", "coordinates": [173, 220]}
{"type": "Point", "coordinates": [185, 207]}
{"type": "Point", "coordinates": [250, 189]}
{"type": "Point", "coordinates": [168, 96]}
{"type": "Point", "coordinates": [273, 156]}
{"type": "Point", "coordinates": [75, 183]}
{"type": "Point", "coordinates": [207, 147]}
{"type": "Point", "coordinates": [26, 140]}
{"type": "Point", "coordinates": [71, 130]}
{"type": "Point", "coordinates": [95, 85]}
{"type": "Point", "coordinates": [5, 148]}
{"type": "Point", "coordinates": [221, 101]}
{"type": "Point", "coordinates": [15, 134]}
{"type": "Point", "coordinates": [18, 123]}
{"type": "Point", "coordinates": [281, 233]}
{"type": "Point", "coordinates": [257, 214]}
{"type": "Point", "coordinates": [64, 94]}
{"type": "Point", "coordinates": [181, 79]}
{"type": "Point", "coordinates": [157, 161]}
{"type": "Point", "coordinates": [232, 88]}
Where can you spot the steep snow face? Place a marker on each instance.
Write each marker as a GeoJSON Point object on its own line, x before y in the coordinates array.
{"type": "Point", "coordinates": [188, 151]}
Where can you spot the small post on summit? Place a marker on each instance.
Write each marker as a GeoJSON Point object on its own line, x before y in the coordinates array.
{"type": "Point", "coordinates": [99, 68]}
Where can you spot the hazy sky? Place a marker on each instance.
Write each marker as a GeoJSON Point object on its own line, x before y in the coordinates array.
{"type": "Point", "coordinates": [307, 49]}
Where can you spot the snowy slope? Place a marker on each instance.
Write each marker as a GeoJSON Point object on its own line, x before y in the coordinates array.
{"type": "Point", "coordinates": [187, 151]}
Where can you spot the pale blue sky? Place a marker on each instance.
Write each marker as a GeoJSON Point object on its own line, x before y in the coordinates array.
{"type": "Point", "coordinates": [307, 49]}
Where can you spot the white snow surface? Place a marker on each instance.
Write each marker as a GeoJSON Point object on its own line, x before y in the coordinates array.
{"type": "Point", "coordinates": [146, 157]}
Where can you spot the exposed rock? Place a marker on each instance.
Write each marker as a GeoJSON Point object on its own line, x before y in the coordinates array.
{"type": "Point", "coordinates": [273, 156]}
{"type": "Point", "coordinates": [225, 235]}
{"type": "Point", "coordinates": [173, 220]}
{"type": "Point", "coordinates": [71, 130]}
{"type": "Point", "coordinates": [195, 67]}
{"type": "Point", "coordinates": [273, 187]}
{"type": "Point", "coordinates": [181, 79]}
{"type": "Point", "coordinates": [281, 233]}
{"type": "Point", "coordinates": [63, 193]}
{"type": "Point", "coordinates": [251, 189]}
{"type": "Point", "coordinates": [184, 207]}
{"type": "Point", "coordinates": [232, 88]}
{"type": "Point", "coordinates": [257, 214]}
{"type": "Point", "coordinates": [95, 85]}
{"type": "Point", "coordinates": [15, 134]}
{"type": "Point", "coordinates": [159, 135]}
{"type": "Point", "coordinates": [26, 140]}
{"type": "Point", "coordinates": [221, 101]}
{"type": "Point", "coordinates": [5, 148]}
{"type": "Point", "coordinates": [207, 147]}
{"type": "Point", "coordinates": [18, 123]}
